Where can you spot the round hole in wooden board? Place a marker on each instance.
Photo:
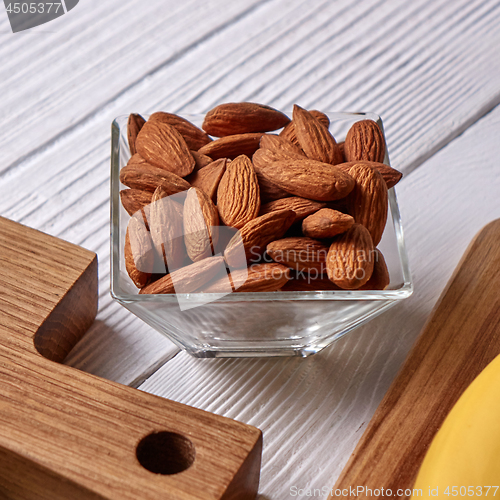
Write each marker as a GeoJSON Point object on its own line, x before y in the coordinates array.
{"type": "Point", "coordinates": [165, 453]}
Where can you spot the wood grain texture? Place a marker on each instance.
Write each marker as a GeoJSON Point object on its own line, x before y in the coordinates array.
{"type": "Point", "coordinates": [67, 434]}
{"type": "Point", "coordinates": [314, 411]}
{"type": "Point", "coordinates": [50, 283]}
{"type": "Point", "coordinates": [459, 341]}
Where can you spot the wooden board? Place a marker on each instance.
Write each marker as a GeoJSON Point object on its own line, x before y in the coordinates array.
{"type": "Point", "coordinates": [461, 337]}
{"type": "Point", "coordinates": [65, 434]}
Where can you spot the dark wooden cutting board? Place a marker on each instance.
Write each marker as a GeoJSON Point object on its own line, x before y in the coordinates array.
{"type": "Point", "coordinates": [68, 435]}
{"type": "Point", "coordinates": [461, 337]}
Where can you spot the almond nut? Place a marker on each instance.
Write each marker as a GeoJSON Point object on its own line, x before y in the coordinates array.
{"type": "Point", "coordinates": [350, 259]}
{"type": "Point", "coordinates": [238, 198]}
{"type": "Point", "coordinates": [365, 141]}
{"type": "Point", "coordinates": [251, 240]}
{"type": "Point", "coordinates": [232, 146]}
{"type": "Point", "coordinates": [242, 118]}
{"type": "Point", "coordinates": [161, 145]}
{"type": "Point", "coordinates": [326, 223]}
{"type": "Point", "coordinates": [201, 225]}
{"type": "Point", "coordinates": [314, 138]}
{"type": "Point", "coordinates": [368, 201]}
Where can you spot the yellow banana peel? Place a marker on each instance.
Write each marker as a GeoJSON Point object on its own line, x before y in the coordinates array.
{"type": "Point", "coordinates": [464, 457]}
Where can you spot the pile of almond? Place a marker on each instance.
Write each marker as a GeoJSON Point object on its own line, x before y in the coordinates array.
{"type": "Point", "coordinates": [307, 212]}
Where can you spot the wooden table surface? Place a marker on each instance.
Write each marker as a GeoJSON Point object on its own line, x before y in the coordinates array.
{"type": "Point", "coordinates": [430, 68]}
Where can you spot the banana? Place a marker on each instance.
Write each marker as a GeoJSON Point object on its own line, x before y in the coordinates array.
{"type": "Point", "coordinates": [465, 453]}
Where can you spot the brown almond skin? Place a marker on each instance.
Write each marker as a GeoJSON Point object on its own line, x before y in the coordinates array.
{"type": "Point", "coordinates": [380, 279]}
{"type": "Point", "coordinates": [164, 147]}
{"type": "Point", "coordinates": [238, 196]}
{"type": "Point", "coordinates": [138, 174]}
{"type": "Point", "coordinates": [289, 131]}
{"type": "Point", "coordinates": [314, 138]}
{"type": "Point", "coordinates": [139, 253]}
{"type": "Point", "coordinates": [301, 206]}
{"type": "Point", "coordinates": [309, 179]}
{"type": "Point", "coordinates": [201, 225]}
{"type": "Point", "coordinates": [350, 259]}
{"type": "Point", "coordinates": [242, 118]}
{"type": "Point", "coordinates": [253, 237]}
{"type": "Point", "coordinates": [365, 141]}
{"type": "Point", "coordinates": [166, 227]}
{"type": "Point", "coordinates": [187, 279]}
{"type": "Point", "coordinates": [390, 175]}
{"type": "Point", "coordinates": [262, 157]}
{"type": "Point", "coordinates": [208, 178]}
{"type": "Point", "coordinates": [134, 199]}
{"type": "Point", "coordinates": [195, 138]}
{"type": "Point", "coordinates": [232, 146]}
{"type": "Point", "coordinates": [309, 283]}
{"type": "Point", "coordinates": [280, 145]}
{"type": "Point", "coordinates": [134, 126]}
{"type": "Point", "coordinates": [300, 253]}
{"type": "Point", "coordinates": [326, 223]}
{"type": "Point", "coordinates": [268, 277]}
{"type": "Point", "coordinates": [341, 146]}
{"type": "Point", "coordinates": [201, 161]}
{"type": "Point", "coordinates": [368, 201]}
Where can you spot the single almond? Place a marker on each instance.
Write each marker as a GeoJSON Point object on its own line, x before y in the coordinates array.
{"type": "Point", "coordinates": [208, 178]}
{"type": "Point", "coordinates": [201, 160]}
{"type": "Point", "coordinates": [252, 239]}
{"type": "Point", "coordinates": [138, 174]}
{"type": "Point", "coordinates": [350, 259]}
{"type": "Point", "coordinates": [166, 227]}
{"type": "Point", "coordinates": [309, 179]}
{"type": "Point", "coordinates": [390, 175]}
{"type": "Point", "coordinates": [139, 253]}
{"type": "Point", "coordinates": [164, 147]}
{"type": "Point", "coordinates": [268, 277]}
{"type": "Point", "coordinates": [232, 146]}
{"type": "Point", "coordinates": [201, 225]}
{"type": "Point", "coordinates": [380, 279]}
{"type": "Point", "coordinates": [365, 141]}
{"type": "Point", "coordinates": [300, 253]}
{"type": "Point", "coordinates": [289, 131]}
{"type": "Point", "coordinates": [314, 138]}
{"type": "Point", "coordinates": [241, 118]}
{"type": "Point", "coordinates": [238, 198]}
{"type": "Point", "coordinates": [187, 279]}
{"type": "Point", "coordinates": [134, 199]}
{"type": "Point", "coordinates": [301, 206]}
{"type": "Point", "coordinates": [368, 201]}
{"type": "Point", "coordinates": [326, 223]}
{"type": "Point", "coordinates": [134, 126]}
{"type": "Point", "coordinates": [195, 138]}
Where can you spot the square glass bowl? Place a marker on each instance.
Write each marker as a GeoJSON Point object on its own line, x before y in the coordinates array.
{"type": "Point", "coordinates": [258, 323]}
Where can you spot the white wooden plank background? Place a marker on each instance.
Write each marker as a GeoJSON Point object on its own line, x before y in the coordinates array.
{"type": "Point", "coordinates": [313, 411]}
{"type": "Point", "coordinates": [430, 68]}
